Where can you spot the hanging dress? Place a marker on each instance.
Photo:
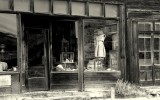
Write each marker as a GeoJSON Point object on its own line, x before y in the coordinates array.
{"type": "Point", "coordinates": [100, 48]}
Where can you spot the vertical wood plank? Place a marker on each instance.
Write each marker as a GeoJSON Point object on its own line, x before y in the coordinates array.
{"type": "Point", "coordinates": [46, 53]}
{"type": "Point", "coordinates": [131, 54]}
{"type": "Point", "coordinates": [152, 54]}
{"type": "Point", "coordinates": [50, 53]}
{"type": "Point", "coordinates": [80, 56]}
{"type": "Point", "coordinates": [128, 49]}
{"type": "Point", "coordinates": [19, 49]}
{"type": "Point", "coordinates": [136, 53]}
{"type": "Point", "coordinates": [122, 44]}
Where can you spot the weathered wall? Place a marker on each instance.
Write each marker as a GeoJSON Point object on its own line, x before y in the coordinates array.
{"type": "Point", "coordinates": [143, 4]}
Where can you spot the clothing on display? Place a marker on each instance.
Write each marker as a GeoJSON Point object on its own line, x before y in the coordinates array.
{"type": "Point", "coordinates": [100, 48]}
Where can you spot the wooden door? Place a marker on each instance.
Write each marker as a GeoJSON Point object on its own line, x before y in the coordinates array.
{"type": "Point", "coordinates": [149, 52]}
{"type": "Point", "coordinates": [37, 59]}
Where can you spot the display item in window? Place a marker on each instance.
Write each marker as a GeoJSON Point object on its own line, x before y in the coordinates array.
{"type": "Point", "coordinates": [60, 68]}
{"type": "Point", "coordinates": [3, 66]}
{"type": "Point", "coordinates": [64, 45]}
{"type": "Point", "coordinates": [100, 48]}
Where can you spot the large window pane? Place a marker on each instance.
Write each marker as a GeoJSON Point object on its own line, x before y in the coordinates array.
{"type": "Point", "coordinates": [8, 42]}
{"type": "Point", "coordinates": [101, 45]}
{"type": "Point", "coordinates": [65, 47]}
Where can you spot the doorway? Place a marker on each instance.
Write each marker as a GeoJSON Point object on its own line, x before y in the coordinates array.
{"type": "Point", "coordinates": [36, 59]}
{"type": "Point", "coordinates": [149, 52]}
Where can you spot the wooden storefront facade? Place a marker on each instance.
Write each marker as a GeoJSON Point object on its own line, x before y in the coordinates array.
{"type": "Point", "coordinates": [78, 45]}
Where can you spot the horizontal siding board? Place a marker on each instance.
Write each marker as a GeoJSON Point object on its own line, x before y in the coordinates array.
{"type": "Point", "coordinates": [64, 87]}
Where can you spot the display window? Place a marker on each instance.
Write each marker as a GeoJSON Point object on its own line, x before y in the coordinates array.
{"type": "Point", "coordinates": [64, 44]}
{"type": "Point", "coordinates": [8, 42]}
{"type": "Point", "coordinates": [101, 45]}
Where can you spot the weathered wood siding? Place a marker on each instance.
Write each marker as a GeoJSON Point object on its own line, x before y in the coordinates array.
{"type": "Point", "coordinates": [143, 4]}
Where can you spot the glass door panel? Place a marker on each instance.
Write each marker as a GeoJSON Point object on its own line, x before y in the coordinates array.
{"type": "Point", "coordinates": [36, 71]}
{"type": "Point", "coordinates": [145, 53]}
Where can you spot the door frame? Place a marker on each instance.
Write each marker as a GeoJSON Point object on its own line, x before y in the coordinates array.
{"type": "Point", "coordinates": [134, 64]}
{"type": "Point", "coordinates": [46, 55]}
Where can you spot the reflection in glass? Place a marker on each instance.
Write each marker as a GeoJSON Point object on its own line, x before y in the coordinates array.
{"type": "Point", "coordinates": [156, 58]}
{"type": "Point", "coordinates": [65, 51]}
{"type": "Point", "coordinates": [157, 75]}
{"type": "Point", "coordinates": [141, 58]}
{"type": "Point", "coordinates": [157, 27]}
{"type": "Point", "coordinates": [35, 41]}
{"type": "Point", "coordinates": [148, 58]}
{"type": "Point", "coordinates": [101, 45]}
{"type": "Point", "coordinates": [8, 42]}
{"type": "Point", "coordinates": [140, 27]}
{"type": "Point", "coordinates": [156, 43]}
{"type": "Point", "coordinates": [148, 44]}
{"type": "Point", "coordinates": [148, 27]}
{"type": "Point", "coordinates": [141, 44]}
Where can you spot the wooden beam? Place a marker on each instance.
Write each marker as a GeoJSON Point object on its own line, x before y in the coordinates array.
{"type": "Point", "coordinates": [80, 56]}
{"type": "Point", "coordinates": [122, 41]}
{"type": "Point", "coordinates": [19, 49]}
{"type": "Point", "coordinates": [136, 53]}
{"type": "Point", "coordinates": [50, 54]}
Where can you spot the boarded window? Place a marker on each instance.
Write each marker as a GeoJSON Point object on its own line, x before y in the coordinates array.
{"type": "Point", "coordinates": [41, 6]}
{"type": "Point", "coordinates": [111, 10]}
{"type": "Point", "coordinates": [22, 5]}
{"type": "Point", "coordinates": [60, 7]}
{"type": "Point", "coordinates": [78, 8]}
{"type": "Point", "coordinates": [4, 5]}
{"type": "Point", "coordinates": [95, 9]}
